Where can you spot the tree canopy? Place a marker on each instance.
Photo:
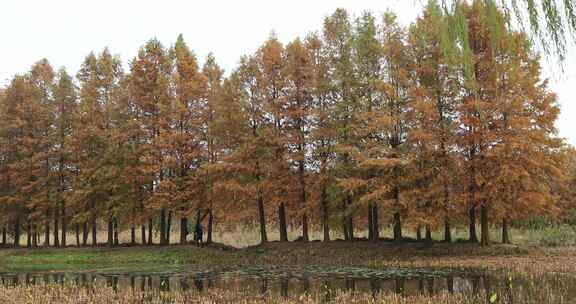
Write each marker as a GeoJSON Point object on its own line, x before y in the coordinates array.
{"type": "Point", "coordinates": [364, 124]}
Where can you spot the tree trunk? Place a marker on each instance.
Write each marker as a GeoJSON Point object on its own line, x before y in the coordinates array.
{"type": "Point", "coordinates": [370, 224]}
{"type": "Point", "coordinates": [29, 236]}
{"type": "Point", "coordinates": [64, 231]}
{"type": "Point", "coordinates": [168, 227]}
{"type": "Point", "coordinates": [143, 234]}
{"type": "Point", "coordinates": [17, 232]}
{"type": "Point", "coordinates": [210, 226]}
{"type": "Point", "coordinates": [419, 233]}
{"type": "Point", "coordinates": [301, 177]}
{"type": "Point", "coordinates": [325, 216]}
{"type": "Point", "coordinates": [150, 231]}
{"type": "Point", "coordinates": [94, 233]}
{"type": "Point", "coordinates": [110, 240]}
{"type": "Point", "coordinates": [35, 236]}
{"type": "Point", "coordinates": [485, 237]}
{"type": "Point", "coordinates": [47, 233]}
{"type": "Point", "coordinates": [428, 234]}
{"type": "Point", "coordinates": [282, 223]}
{"type": "Point", "coordinates": [447, 231]}
{"type": "Point", "coordinates": [56, 231]}
{"type": "Point", "coordinates": [397, 223]}
{"type": "Point", "coordinates": [163, 226]}
{"type": "Point", "coordinates": [305, 233]}
{"type": "Point", "coordinates": [472, 227]}
{"type": "Point", "coordinates": [133, 234]}
{"type": "Point", "coordinates": [375, 223]}
{"type": "Point", "coordinates": [350, 220]}
{"type": "Point", "coordinates": [84, 233]}
{"type": "Point", "coordinates": [4, 236]}
{"type": "Point", "coordinates": [116, 232]}
{"type": "Point", "coordinates": [77, 227]}
{"type": "Point", "coordinates": [344, 222]}
{"type": "Point", "coordinates": [262, 218]}
{"type": "Point", "coordinates": [183, 230]}
{"type": "Point", "coordinates": [505, 235]}
{"type": "Point", "coordinates": [397, 227]}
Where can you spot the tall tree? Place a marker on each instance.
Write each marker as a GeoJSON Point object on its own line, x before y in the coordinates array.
{"type": "Point", "coordinates": [395, 90]}
{"type": "Point", "coordinates": [65, 102]}
{"type": "Point", "coordinates": [299, 76]}
{"type": "Point", "coordinates": [435, 110]}
{"type": "Point", "coordinates": [337, 35]}
{"type": "Point", "coordinates": [184, 138]}
{"type": "Point", "coordinates": [97, 183]}
{"type": "Point", "coordinates": [322, 134]}
{"type": "Point", "coordinates": [271, 60]}
{"type": "Point", "coordinates": [368, 54]}
{"type": "Point", "coordinates": [26, 130]}
{"type": "Point", "coordinates": [150, 91]}
{"type": "Point", "coordinates": [214, 75]}
{"type": "Point", "coordinates": [252, 154]}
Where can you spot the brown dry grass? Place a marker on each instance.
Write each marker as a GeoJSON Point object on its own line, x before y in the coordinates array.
{"type": "Point", "coordinates": [101, 295]}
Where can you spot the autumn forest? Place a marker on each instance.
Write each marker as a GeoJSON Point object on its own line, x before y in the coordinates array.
{"type": "Point", "coordinates": [361, 126]}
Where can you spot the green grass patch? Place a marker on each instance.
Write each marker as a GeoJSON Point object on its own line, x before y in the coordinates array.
{"type": "Point", "coordinates": [89, 258]}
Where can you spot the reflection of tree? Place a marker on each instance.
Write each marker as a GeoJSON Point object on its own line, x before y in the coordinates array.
{"type": "Point", "coordinates": [481, 285]}
{"type": "Point", "coordinates": [476, 285]}
{"type": "Point", "coordinates": [142, 283]}
{"type": "Point", "coordinates": [421, 286]}
{"type": "Point", "coordinates": [306, 284]}
{"type": "Point", "coordinates": [375, 287]}
{"type": "Point", "coordinates": [164, 283]}
{"type": "Point", "coordinates": [487, 287]}
{"type": "Point", "coordinates": [284, 287]}
{"type": "Point", "coordinates": [58, 278]}
{"type": "Point", "coordinates": [450, 284]}
{"type": "Point", "coordinates": [111, 281]}
{"type": "Point", "coordinates": [198, 283]}
{"type": "Point", "coordinates": [327, 290]}
{"type": "Point", "coordinates": [264, 288]}
{"type": "Point", "coordinates": [430, 286]}
{"type": "Point", "coordinates": [399, 285]}
{"type": "Point", "coordinates": [350, 284]}
{"type": "Point", "coordinates": [184, 284]}
{"type": "Point", "coordinates": [509, 292]}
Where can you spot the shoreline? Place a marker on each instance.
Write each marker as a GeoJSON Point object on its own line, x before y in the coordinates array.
{"type": "Point", "coordinates": [358, 253]}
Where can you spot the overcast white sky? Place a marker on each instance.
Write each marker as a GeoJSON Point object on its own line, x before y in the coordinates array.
{"type": "Point", "coordinates": [65, 31]}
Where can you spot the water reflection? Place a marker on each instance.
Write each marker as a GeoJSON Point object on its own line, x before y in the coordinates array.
{"type": "Point", "coordinates": [289, 282]}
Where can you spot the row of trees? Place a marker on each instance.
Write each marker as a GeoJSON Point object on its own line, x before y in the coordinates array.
{"type": "Point", "coordinates": [365, 124]}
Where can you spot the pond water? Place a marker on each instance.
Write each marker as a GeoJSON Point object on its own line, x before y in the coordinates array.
{"type": "Point", "coordinates": [291, 281]}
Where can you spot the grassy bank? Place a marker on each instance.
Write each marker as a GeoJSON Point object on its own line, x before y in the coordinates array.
{"type": "Point", "coordinates": [544, 245]}
{"type": "Point", "coordinates": [103, 258]}
{"type": "Point", "coordinates": [294, 253]}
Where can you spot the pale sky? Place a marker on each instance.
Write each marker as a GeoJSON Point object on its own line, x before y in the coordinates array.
{"type": "Point", "coordinates": [65, 31]}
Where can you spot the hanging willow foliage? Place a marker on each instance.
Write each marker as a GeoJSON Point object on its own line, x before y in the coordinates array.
{"type": "Point", "coordinates": [547, 20]}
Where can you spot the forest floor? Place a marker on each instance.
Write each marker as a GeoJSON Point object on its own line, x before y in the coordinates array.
{"type": "Point", "coordinates": [529, 259]}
